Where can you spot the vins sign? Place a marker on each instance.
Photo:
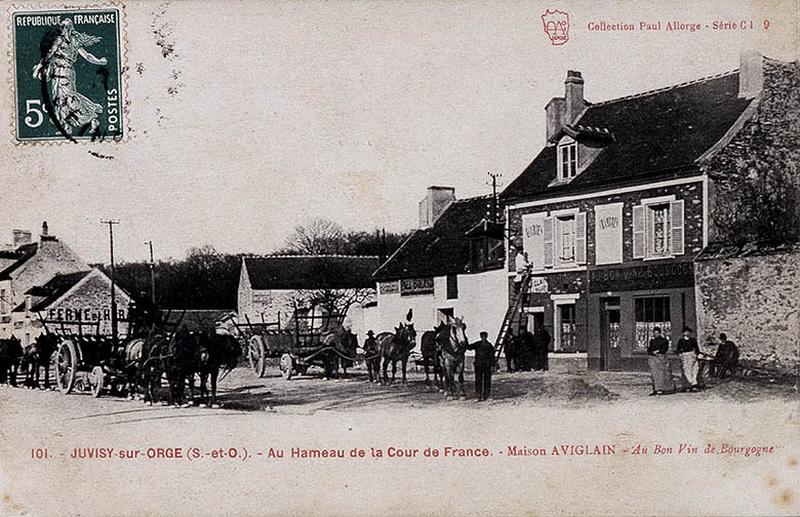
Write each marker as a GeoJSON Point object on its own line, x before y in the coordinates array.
{"type": "Point", "coordinates": [410, 286]}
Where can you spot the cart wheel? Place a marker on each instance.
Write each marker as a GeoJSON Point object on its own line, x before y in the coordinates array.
{"type": "Point", "coordinates": [287, 366]}
{"type": "Point", "coordinates": [256, 355]}
{"type": "Point", "coordinates": [96, 381]}
{"type": "Point", "coordinates": [66, 366]}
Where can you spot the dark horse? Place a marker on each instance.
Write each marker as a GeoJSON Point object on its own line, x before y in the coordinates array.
{"type": "Point", "coordinates": [37, 356]}
{"type": "Point", "coordinates": [181, 363]}
{"type": "Point", "coordinates": [146, 361]}
{"type": "Point", "coordinates": [430, 356]}
{"type": "Point", "coordinates": [10, 356]}
{"type": "Point", "coordinates": [215, 352]}
{"type": "Point", "coordinates": [396, 347]}
{"type": "Point", "coordinates": [452, 342]}
{"type": "Point", "coordinates": [343, 346]}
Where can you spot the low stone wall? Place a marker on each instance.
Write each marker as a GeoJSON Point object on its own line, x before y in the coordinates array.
{"type": "Point", "coordinates": [754, 297]}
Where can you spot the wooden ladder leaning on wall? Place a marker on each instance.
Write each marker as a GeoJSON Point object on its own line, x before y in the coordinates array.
{"type": "Point", "coordinates": [513, 315]}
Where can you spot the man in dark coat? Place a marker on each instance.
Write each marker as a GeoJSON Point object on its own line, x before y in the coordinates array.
{"type": "Point", "coordinates": [727, 358]}
{"type": "Point", "coordinates": [483, 365]}
{"type": "Point", "coordinates": [525, 349]}
{"type": "Point", "coordinates": [541, 345]}
{"type": "Point", "coordinates": [373, 359]}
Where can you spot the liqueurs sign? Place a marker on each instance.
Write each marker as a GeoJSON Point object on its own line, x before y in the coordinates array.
{"type": "Point", "coordinates": [556, 26]}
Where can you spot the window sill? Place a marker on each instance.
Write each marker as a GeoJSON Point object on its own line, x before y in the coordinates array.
{"type": "Point", "coordinates": [660, 257]}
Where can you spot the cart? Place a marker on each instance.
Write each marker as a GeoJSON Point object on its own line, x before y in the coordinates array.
{"type": "Point", "coordinates": [299, 347]}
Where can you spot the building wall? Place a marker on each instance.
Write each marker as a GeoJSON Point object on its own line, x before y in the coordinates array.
{"type": "Point", "coordinates": [90, 301]}
{"type": "Point", "coordinates": [482, 302]}
{"type": "Point", "coordinates": [53, 257]}
{"type": "Point", "coordinates": [755, 301]}
{"type": "Point", "coordinates": [631, 277]}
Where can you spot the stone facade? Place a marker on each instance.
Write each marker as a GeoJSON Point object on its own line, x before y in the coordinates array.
{"type": "Point", "coordinates": [754, 300]}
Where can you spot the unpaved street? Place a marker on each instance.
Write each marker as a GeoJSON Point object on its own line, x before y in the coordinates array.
{"type": "Point", "coordinates": [560, 410]}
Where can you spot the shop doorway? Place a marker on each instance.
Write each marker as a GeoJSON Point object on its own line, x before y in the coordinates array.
{"type": "Point", "coordinates": [610, 333]}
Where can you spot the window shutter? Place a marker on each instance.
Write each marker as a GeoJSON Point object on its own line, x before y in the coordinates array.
{"type": "Point", "coordinates": [638, 231]}
{"type": "Point", "coordinates": [580, 238]}
{"type": "Point", "coordinates": [676, 213]}
{"type": "Point", "coordinates": [548, 242]}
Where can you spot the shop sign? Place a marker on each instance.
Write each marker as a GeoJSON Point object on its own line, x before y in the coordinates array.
{"type": "Point", "coordinates": [539, 285]}
{"type": "Point", "coordinates": [392, 287]}
{"type": "Point", "coordinates": [642, 277]}
{"type": "Point", "coordinates": [411, 286]}
{"type": "Point", "coordinates": [83, 314]}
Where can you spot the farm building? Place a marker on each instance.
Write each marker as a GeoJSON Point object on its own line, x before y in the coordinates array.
{"type": "Point", "coordinates": [617, 206]}
{"type": "Point", "coordinates": [451, 266]}
{"type": "Point", "coordinates": [271, 288]}
{"type": "Point", "coordinates": [26, 264]}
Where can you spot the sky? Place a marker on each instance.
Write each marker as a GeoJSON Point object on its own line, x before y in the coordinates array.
{"type": "Point", "coordinates": [268, 114]}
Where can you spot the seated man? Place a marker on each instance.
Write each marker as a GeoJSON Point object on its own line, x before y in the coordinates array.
{"type": "Point", "coordinates": [727, 358]}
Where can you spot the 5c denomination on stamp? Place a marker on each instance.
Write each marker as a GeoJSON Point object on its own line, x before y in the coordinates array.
{"type": "Point", "coordinates": [67, 66]}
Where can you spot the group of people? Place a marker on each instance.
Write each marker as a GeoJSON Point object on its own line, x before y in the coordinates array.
{"type": "Point", "coordinates": [526, 351]}
{"type": "Point", "coordinates": [725, 361]}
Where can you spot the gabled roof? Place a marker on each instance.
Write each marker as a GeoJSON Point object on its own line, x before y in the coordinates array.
{"type": "Point", "coordinates": [24, 253]}
{"type": "Point", "coordinates": [652, 135]}
{"type": "Point", "coordinates": [443, 249]}
{"type": "Point", "coordinates": [54, 289]}
{"type": "Point", "coordinates": [310, 271]}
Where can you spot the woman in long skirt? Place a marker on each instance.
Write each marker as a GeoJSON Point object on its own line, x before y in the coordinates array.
{"type": "Point", "coordinates": [660, 370]}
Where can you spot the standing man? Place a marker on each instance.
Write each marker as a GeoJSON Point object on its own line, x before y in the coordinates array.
{"type": "Point", "coordinates": [521, 265]}
{"type": "Point", "coordinates": [510, 349]}
{"type": "Point", "coordinates": [660, 371]}
{"type": "Point", "coordinates": [484, 362]}
{"type": "Point", "coordinates": [688, 351]}
{"type": "Point", "coordinates": [525, 348]}
{"type": "Point", "coordinates": [541, 340]}
{"type": "Point", "coordinates": [373, 360]}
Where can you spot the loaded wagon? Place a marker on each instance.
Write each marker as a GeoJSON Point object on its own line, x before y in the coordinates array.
{"type": "Point", "coordinates": [308, 340]}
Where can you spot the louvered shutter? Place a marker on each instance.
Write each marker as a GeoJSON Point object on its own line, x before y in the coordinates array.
{"type": "Point", "coordinates": [676, 213]}
{"type": "Point", "coordinates": [580, 238]}
{"type": "Point", "coordinates": [548, 242]}
{"type": "Point", "coordinates": [638, 231]}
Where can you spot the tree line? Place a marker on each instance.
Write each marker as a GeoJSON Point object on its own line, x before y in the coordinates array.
{"type": "Point", "coordinates": [209, 279]}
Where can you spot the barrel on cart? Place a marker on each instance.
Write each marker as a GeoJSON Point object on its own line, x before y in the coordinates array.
{"type": "Point", "coordinates": [299, 347]}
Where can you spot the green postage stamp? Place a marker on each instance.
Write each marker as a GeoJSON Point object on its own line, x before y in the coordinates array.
{"type": "Point", "coordinates": [67, 66]}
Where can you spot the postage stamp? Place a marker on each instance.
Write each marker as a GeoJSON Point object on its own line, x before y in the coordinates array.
{"type": "Point", "coordinates": [67, 67]}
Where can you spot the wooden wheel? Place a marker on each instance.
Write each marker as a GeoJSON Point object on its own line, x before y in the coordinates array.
{"type": "Point", "coordinates": [96, 381]}
{"type": "Point", "coordinates": [66, 366]}
{"type": "Point", "coordinates": [256, 355]}
{"type": "Point", "coordinates": [287, 366]}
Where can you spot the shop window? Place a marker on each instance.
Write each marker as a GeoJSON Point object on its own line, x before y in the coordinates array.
{"type": "Point", "coordinates": [566, 325]}
{"type": "Point", "coordinates": [452, 287]}
{"type": "Point", "coordinates": [650, 313]}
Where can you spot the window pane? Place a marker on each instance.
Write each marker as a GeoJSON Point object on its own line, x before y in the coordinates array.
{"type": "Point", "coordinates": [650, 313]}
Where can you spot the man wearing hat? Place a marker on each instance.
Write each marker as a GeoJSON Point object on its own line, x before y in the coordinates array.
{"type": "Point", "coordinates": [483, 365]}
{"type": "Point", "coordinates": [688, 350]}
{"type": "Point", "coordinates": [373, 359]}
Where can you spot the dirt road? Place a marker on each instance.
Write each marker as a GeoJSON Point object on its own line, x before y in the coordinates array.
{"type": "Point", "coordinates": [580, 429]}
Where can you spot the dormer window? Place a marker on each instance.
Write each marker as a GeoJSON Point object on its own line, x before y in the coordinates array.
{"type": "Point", "coordinates": [567, 159]}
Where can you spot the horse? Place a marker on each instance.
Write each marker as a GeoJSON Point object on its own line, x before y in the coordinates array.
{"type": "Point", "coordinates": [396, 347]}
{"type": "Point", "coordinates": [36, 356]}
{"type": "Point", "coordinates": [452, 343]}
{"type": "Point", "coordinates": [181, 364]}
{"type": "Point", "coordinates": [215, 351]}
{"type": "Point", "coordinates": [145, 358]}
{"type": "Point", "coordinates": [430, 356]}
{"type": "Point", "coordinates": [10, 356]}
{"type": "Point", "coordinates": [372, 358]}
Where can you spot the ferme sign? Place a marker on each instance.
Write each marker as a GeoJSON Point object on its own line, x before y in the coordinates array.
{"type": "Point", "coordinates": [416, 286]}
{"type": "Point", "coordinates": [83, 314]}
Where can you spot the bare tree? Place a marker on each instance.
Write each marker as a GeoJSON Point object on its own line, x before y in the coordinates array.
{"type": "Point", "coordinates": [317, 237]}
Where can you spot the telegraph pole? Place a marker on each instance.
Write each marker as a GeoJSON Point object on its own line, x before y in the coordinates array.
{"type": "Point", "coordinates": [152, 274]}
{"type": "Point", "coordinates": [114, 333]}
{"type": "Point", "coordinates": [494, 184]}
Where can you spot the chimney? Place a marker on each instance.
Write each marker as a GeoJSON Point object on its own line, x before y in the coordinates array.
{"type": "Point", "coordinates": [22, 237]}
{"type": "Point", "coordinates": [751, 74]}
{"type": "Point", "coordinates": [573, 93]}
{"type": "Point", "coordinates": [46, 233]}
{"type": "Point", "coordinates": [561, 111]}
{"type": "Point", "coordinates": [434, 204]}
{"type": "Point", "coordinates": [44, 229]}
